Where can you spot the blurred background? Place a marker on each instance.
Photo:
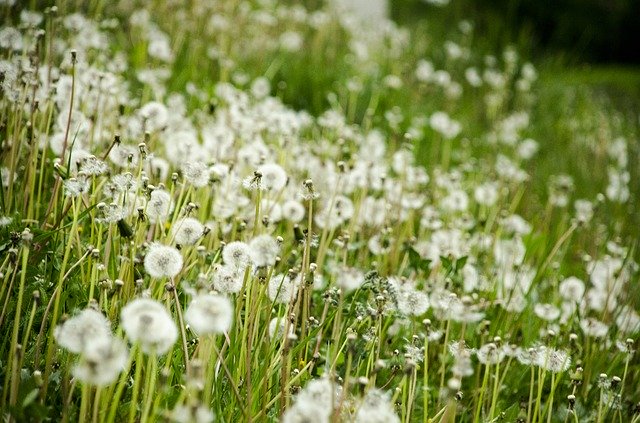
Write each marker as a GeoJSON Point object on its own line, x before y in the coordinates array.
{"type": "Point", "coordinates": [590, 43]}
{"type": "Point", "coordinates": [578, 31]}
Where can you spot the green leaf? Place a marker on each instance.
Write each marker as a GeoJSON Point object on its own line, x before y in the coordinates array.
{"type": "Point", "coordinates": [416, 261]}
{"type": "Point", "coordinates": [30, 397]}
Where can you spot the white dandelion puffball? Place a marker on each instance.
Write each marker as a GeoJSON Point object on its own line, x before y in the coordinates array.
{"type": "Point", "coordinates": [228, 279]}
{"type": "Point", "coordinates": [349, 279]}
{"type": "Point", "coordinates": [273, 178]}
{"type": "Point", "coordinates": [572, 289]}
{"type": "Point", "coordinates": [149, 323]}
{"type": "Point", "coordinates": [83, 329]}
{"type": "Point", "coordinates": [282, 288]}
{"type": "Point", "coordinates": [162, 261]}
{"type": "Point", "coordinates": [154, 116]}
{"type": "Point", "coordinates": [159, 206]}
{"type": "Point", "coordinates": [101, 362]}
{"type": "Point", "coordinates": [277, 326]}
{"type": "Point", "coordinates": [237, 254]}
{"type": "Point", "coordinates": [412, 301]}
{"type": "Point", "coordinates": [192, 413]}
{"type": "Point", "coordinates": [187, 231]}
{"type": "Point", "coordinates": [376, 407]}
{"type": "Point", "coordinates": [264, 250]}
{"type": "Point", "coordinates": [293, 211]}
{"type": "Point", "coordinates": [209, 314]}
{"type": "Point", "coordinates": [196, 173]}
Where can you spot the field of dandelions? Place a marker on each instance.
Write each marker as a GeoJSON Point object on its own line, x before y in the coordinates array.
{"type": "Point", "coordinates": [248, 211]}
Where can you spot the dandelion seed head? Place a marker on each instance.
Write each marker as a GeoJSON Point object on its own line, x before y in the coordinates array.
{"type": "Point", "coordinates": [196, 413]}
{"type": "Point", "coordinates": [209, 314]}
{"type": "Point", "coordinates": [349, 278]}
{"type": "Point", "coordinates": [547, 312]}
{"type": "Point", "coordinates": [196, 173]}
{"type": "Point", "coordinates": [277, 327]}
{"type": "Point", "coordinates": [187, 231]}
{"type": "Point", "coordinates": [154, 115]}
{"type": "Point", "coordinates": [228, 279]}
{"type": "Point", "coordinates": [159, 206]}
{"type": "Point", "coordinates": [273, 177]}
{"type": "Point", "coordinates": [101, 361]}
{"type": "Point", "coordinates": [162, 261]}
{"type": "Point", "coordinates": [83, 329]}
{"type": "Point", "coordinates": [593, 327]}
{"type": "Point", "coordinates": [283, 288]}
{"type": "Point", "coordinates": [293, 211]}
{"type": "Point", "coordinates": [148, 322]}
{"type": "Point", "coordinates": [553, 360]}
{"type": "Point", "coordinates": [412, 301]}
{"type": "Point", "coordinates": [264, 250]}
{"type": "Point", "coordinates": [490, 354]}
{"type": "Point", "coordinates": [376, 407]}
{"type": "Point", "coordinates": [572, 289]}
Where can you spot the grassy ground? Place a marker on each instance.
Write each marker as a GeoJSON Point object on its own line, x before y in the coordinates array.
{"type": "Point", "coordinates": [259, 212]}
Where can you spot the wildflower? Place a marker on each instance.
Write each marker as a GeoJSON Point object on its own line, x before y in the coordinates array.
{"type": "Point", "coordinates": [378, 245]}
{"type": "Point", "coordinates": [198, 413]}
{"type": "Point", "coordinates": [196, 173]}
{"type": "Point", "coordinates": [320, 391]}
{"type": "Point", "coordinates": [490, 354]}
{"type": "Point", "coordinates": [572, 289]}
{"type": "Point", "coordinates": [628, 320]}
{"type": "Point", "coordinates": [547, 312]}
{"type": "Point", "coordinates": [306, 412]}
{"type": "Point", "coordinates": [443, 124]}
{"type": "Point", "coordinates": [154, 116]}
{"type": "Point", "coordinates": [124, 182]}
{"type": "Point", "coordinates": [83, 329]}
{"type": "Point", "coordinates": [338, 211]}
{"type": "Point", "coordinates": [209, 314]}
{"type": "Point", "coordinates": [159, 206]}
{"type": "Point", "coordinates": [527, 148]}
{"type": "Point", "coordinates": [415, 354]}
{"type": "Point", "coordinates": [283, 288]}
{"type": "Point", "coordinates": [228, 279]}
{"type": "Point", "coordinates": [516, 225]}
{"type": "Point", "coordinates": [376, 407]}
{"type": "Point", "coordinates": [264, 250]}
{"type": "Point", "coordinates": [162, 261]}
{"type": "Point", "coordinates": [277, 326]}
{"type": "Point", "coordinates": [75, 187]}
{"type": "Point", "coordinates": [93, 166]}
{"type": "Point", "coordinates": [11, 39]}
{"type": "Point", "coordinates": [412, 301]}
{"type": "Point", "coordinates": [273, 177]}
{"type": "Point", "coordinates": [584, 210]}
{"type": "Point", "coordinates": [101, 361]}
{"type": "Point", "coordinates": [626, 347]}
{"type": "Point", "coordinates": [553, 360]}
{"type": "Point", "coordinates": [486, 194]}
{"type": "Point", "coordinates": [293, 211]}
{"type": "Point", "coordinates": [187, 231]}
{"type": "Point", "coordinates": [237, 254]}
{"type": "Point", "coordinates": [291, 41]}
{"type": "Point", "coordinates": [530, 356]}
{"type": "Point", "coordinates": [594, 327]}
{"type": "Point", "coordinates": [508, 252]}
{"type": "Point", "coordinates": [349, 279]}
{"type": "Point", "coordinates": [124, 155]}
{"type": "Point", "coordinates": [424, 71]}
{"type": "Point", "coordinates": [149, 323]}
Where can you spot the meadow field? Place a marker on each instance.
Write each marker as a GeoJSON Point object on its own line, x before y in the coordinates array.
{"type": "Point", "coordinates": [282, 211]}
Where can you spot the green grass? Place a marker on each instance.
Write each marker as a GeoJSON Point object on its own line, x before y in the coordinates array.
{"type": "Point", "coordinates": [416, 297]}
